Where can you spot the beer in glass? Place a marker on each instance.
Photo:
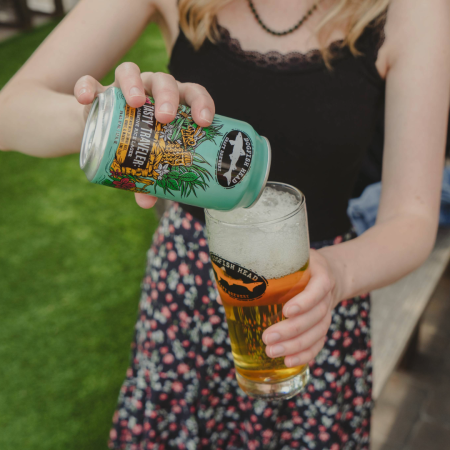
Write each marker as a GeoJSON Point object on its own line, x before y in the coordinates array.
{"type": "Point", "coordinates": [260, 258]}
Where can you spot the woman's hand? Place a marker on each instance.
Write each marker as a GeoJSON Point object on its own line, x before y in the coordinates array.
{"type": "Point", "coordinates": [167, 92]}
{"type": "Point", "coordinates": [302, 335]}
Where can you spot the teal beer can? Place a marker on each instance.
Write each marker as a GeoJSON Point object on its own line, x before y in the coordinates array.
{"type": "Point", "coordinates": [223, 166]}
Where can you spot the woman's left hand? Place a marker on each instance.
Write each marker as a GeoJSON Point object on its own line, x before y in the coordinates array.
{"type": "Point", "coordinates": [302, 335]}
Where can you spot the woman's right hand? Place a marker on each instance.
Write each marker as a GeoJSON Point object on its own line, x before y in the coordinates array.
{"type": "Point", "coordinates": [167, 92]}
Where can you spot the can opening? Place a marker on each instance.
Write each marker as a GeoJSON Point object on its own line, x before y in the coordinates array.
{"type": "Point", "coordinates": [89, 133]}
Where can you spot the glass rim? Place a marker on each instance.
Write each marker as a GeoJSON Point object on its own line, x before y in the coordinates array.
{"type": "Point", "coordinates": [300, 205]}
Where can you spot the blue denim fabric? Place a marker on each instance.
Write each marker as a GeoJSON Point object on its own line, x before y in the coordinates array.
{"type": "Point", "coordinates": [363, 211]}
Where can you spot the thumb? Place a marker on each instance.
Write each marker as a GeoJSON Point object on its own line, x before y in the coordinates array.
{"type": "Point", "coordinates": [145, 201]}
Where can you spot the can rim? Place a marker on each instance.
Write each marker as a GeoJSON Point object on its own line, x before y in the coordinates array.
{"type": "Point", "coordinates": [266, 177]}
{"type": "Point", "coordinates": [96, 133]}
{"type": "Point", "coordinates": [89, 135]}
{"type": "Point", "coordinates": [300, 206]}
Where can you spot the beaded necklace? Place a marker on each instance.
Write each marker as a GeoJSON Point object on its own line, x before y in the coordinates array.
{"type": "Point", "coordinates": [290, 30]}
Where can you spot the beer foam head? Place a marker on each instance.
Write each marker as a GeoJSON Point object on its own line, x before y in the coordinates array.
{"type": "Point", "coordinates": [271, 238]}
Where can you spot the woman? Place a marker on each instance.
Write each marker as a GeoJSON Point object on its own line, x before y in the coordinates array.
{"type": "Point", "coordinates": [318, 109]}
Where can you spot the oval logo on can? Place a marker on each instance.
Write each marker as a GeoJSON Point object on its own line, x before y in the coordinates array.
{"type": "Point", "coordinates": [234, 158]}
{"type": "Point", "coordinates": [237, 281]}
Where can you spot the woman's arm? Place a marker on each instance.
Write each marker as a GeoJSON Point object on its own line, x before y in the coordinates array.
{"type": "Point", "coordinates": [38, 113]}
{"type": "Point", "coordinates": [417, 106]}
{"type": "Point", "coordinates": [417, 52]}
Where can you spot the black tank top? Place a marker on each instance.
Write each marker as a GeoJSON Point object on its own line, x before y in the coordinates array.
{"type": "Point", "coordinates": [319, 121]}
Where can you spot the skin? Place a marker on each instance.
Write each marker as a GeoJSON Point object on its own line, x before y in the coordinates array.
{"type": "Point", "coordinates": [58, 84]}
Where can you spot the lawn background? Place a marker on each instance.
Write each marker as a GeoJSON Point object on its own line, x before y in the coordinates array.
{"type": "Point", "coordinates": [72, 255]}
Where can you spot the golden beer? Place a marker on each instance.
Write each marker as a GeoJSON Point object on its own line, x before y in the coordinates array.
{"type": "Point", "coordinates": [246, 325]}
{"type": "Point", "coordinates": [260, 259]}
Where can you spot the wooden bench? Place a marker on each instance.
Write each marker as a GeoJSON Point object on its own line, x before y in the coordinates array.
{"type": "Point", "coordinates": [397, 310]}
{"type": "Point", "coordinates": [23, 14]}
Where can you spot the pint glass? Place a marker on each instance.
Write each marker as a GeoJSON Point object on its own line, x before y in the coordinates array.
{"type": "Point", "coordinates": [260, 258]}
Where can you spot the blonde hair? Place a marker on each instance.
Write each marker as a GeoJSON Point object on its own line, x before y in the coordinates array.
{"type": "Point", "coordinates": [198, 20]}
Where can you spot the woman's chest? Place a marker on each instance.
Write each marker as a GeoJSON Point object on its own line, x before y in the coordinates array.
{"type": "Point", "coordinates": [308, 103]}
{"type": "Point", "coordinates": [238, 18]}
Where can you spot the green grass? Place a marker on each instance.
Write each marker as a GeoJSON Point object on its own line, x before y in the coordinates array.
{"type": "Point", "coordinates": [71, 260]}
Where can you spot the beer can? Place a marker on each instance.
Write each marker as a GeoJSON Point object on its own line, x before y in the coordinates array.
{"type": "Point", "coordinates": [223, 166]}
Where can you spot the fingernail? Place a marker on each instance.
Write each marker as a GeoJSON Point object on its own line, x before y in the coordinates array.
{"type": "Point", "coordinates": [136, 92]}
{"type": "Point", "coordinates": [206, 115]}
{"type": "Point", "coordinates": [292, 362]}
{"type": "Point", "coordinates": [166, 108]}
{"type": "Point", "coordinates": [292, 311]}
{"type": "Point", "coordinates": [278, 350]}
{"type": "Point", "coordinates": [272, 338]}
{"type": "Point", "coordinates": [82, 92]}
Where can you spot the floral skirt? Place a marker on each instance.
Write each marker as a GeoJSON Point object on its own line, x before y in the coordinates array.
{"type": "Point", "coordinates": [181, 392]}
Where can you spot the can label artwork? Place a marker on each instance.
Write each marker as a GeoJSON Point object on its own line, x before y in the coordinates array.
{"type": "Point", "coordinates": [212, 167]}
{"type": "Point", "coordinates": [231, 165]}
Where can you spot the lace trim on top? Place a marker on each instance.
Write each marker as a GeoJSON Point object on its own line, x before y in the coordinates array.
{"type": "Point", "coordinates": [294, 60]}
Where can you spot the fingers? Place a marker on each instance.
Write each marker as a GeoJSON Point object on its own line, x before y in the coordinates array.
{"type": "Point", "coordinates": [164, 90]}
{"type": "Point", "coordinates": [128, 78]}
{"type": "Point", "coordinates": [167, 92]}
{"type": "Point", "coordinates": [201, 103]}
{"type": "Point", "coordinates": [300, 343]}
{"type": "Point", "coordinates": [295, 326]}
{"type": "Point", "coordinates": [318, 287]}
{"type": "Point", "coordinates": [86, 89]}
{"type": "Point", "coordinates": [145, 201]}
{"type": "Point", "coordinates": [304, 357]}
{"type": "Point", "coordinates": [219, 300]}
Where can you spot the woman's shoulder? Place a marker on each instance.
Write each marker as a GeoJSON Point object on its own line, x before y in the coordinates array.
{"type": "Point", "coordinates": [413, 28]}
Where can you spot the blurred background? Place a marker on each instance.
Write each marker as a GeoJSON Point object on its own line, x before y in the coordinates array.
{"type": "Point", "coordinates": [71, 261]}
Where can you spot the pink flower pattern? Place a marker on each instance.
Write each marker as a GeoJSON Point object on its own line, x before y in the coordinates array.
{"type": "Point", "coordinates": [181, 392]}
{"type": "Point", "coordinates": [124, 183]}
